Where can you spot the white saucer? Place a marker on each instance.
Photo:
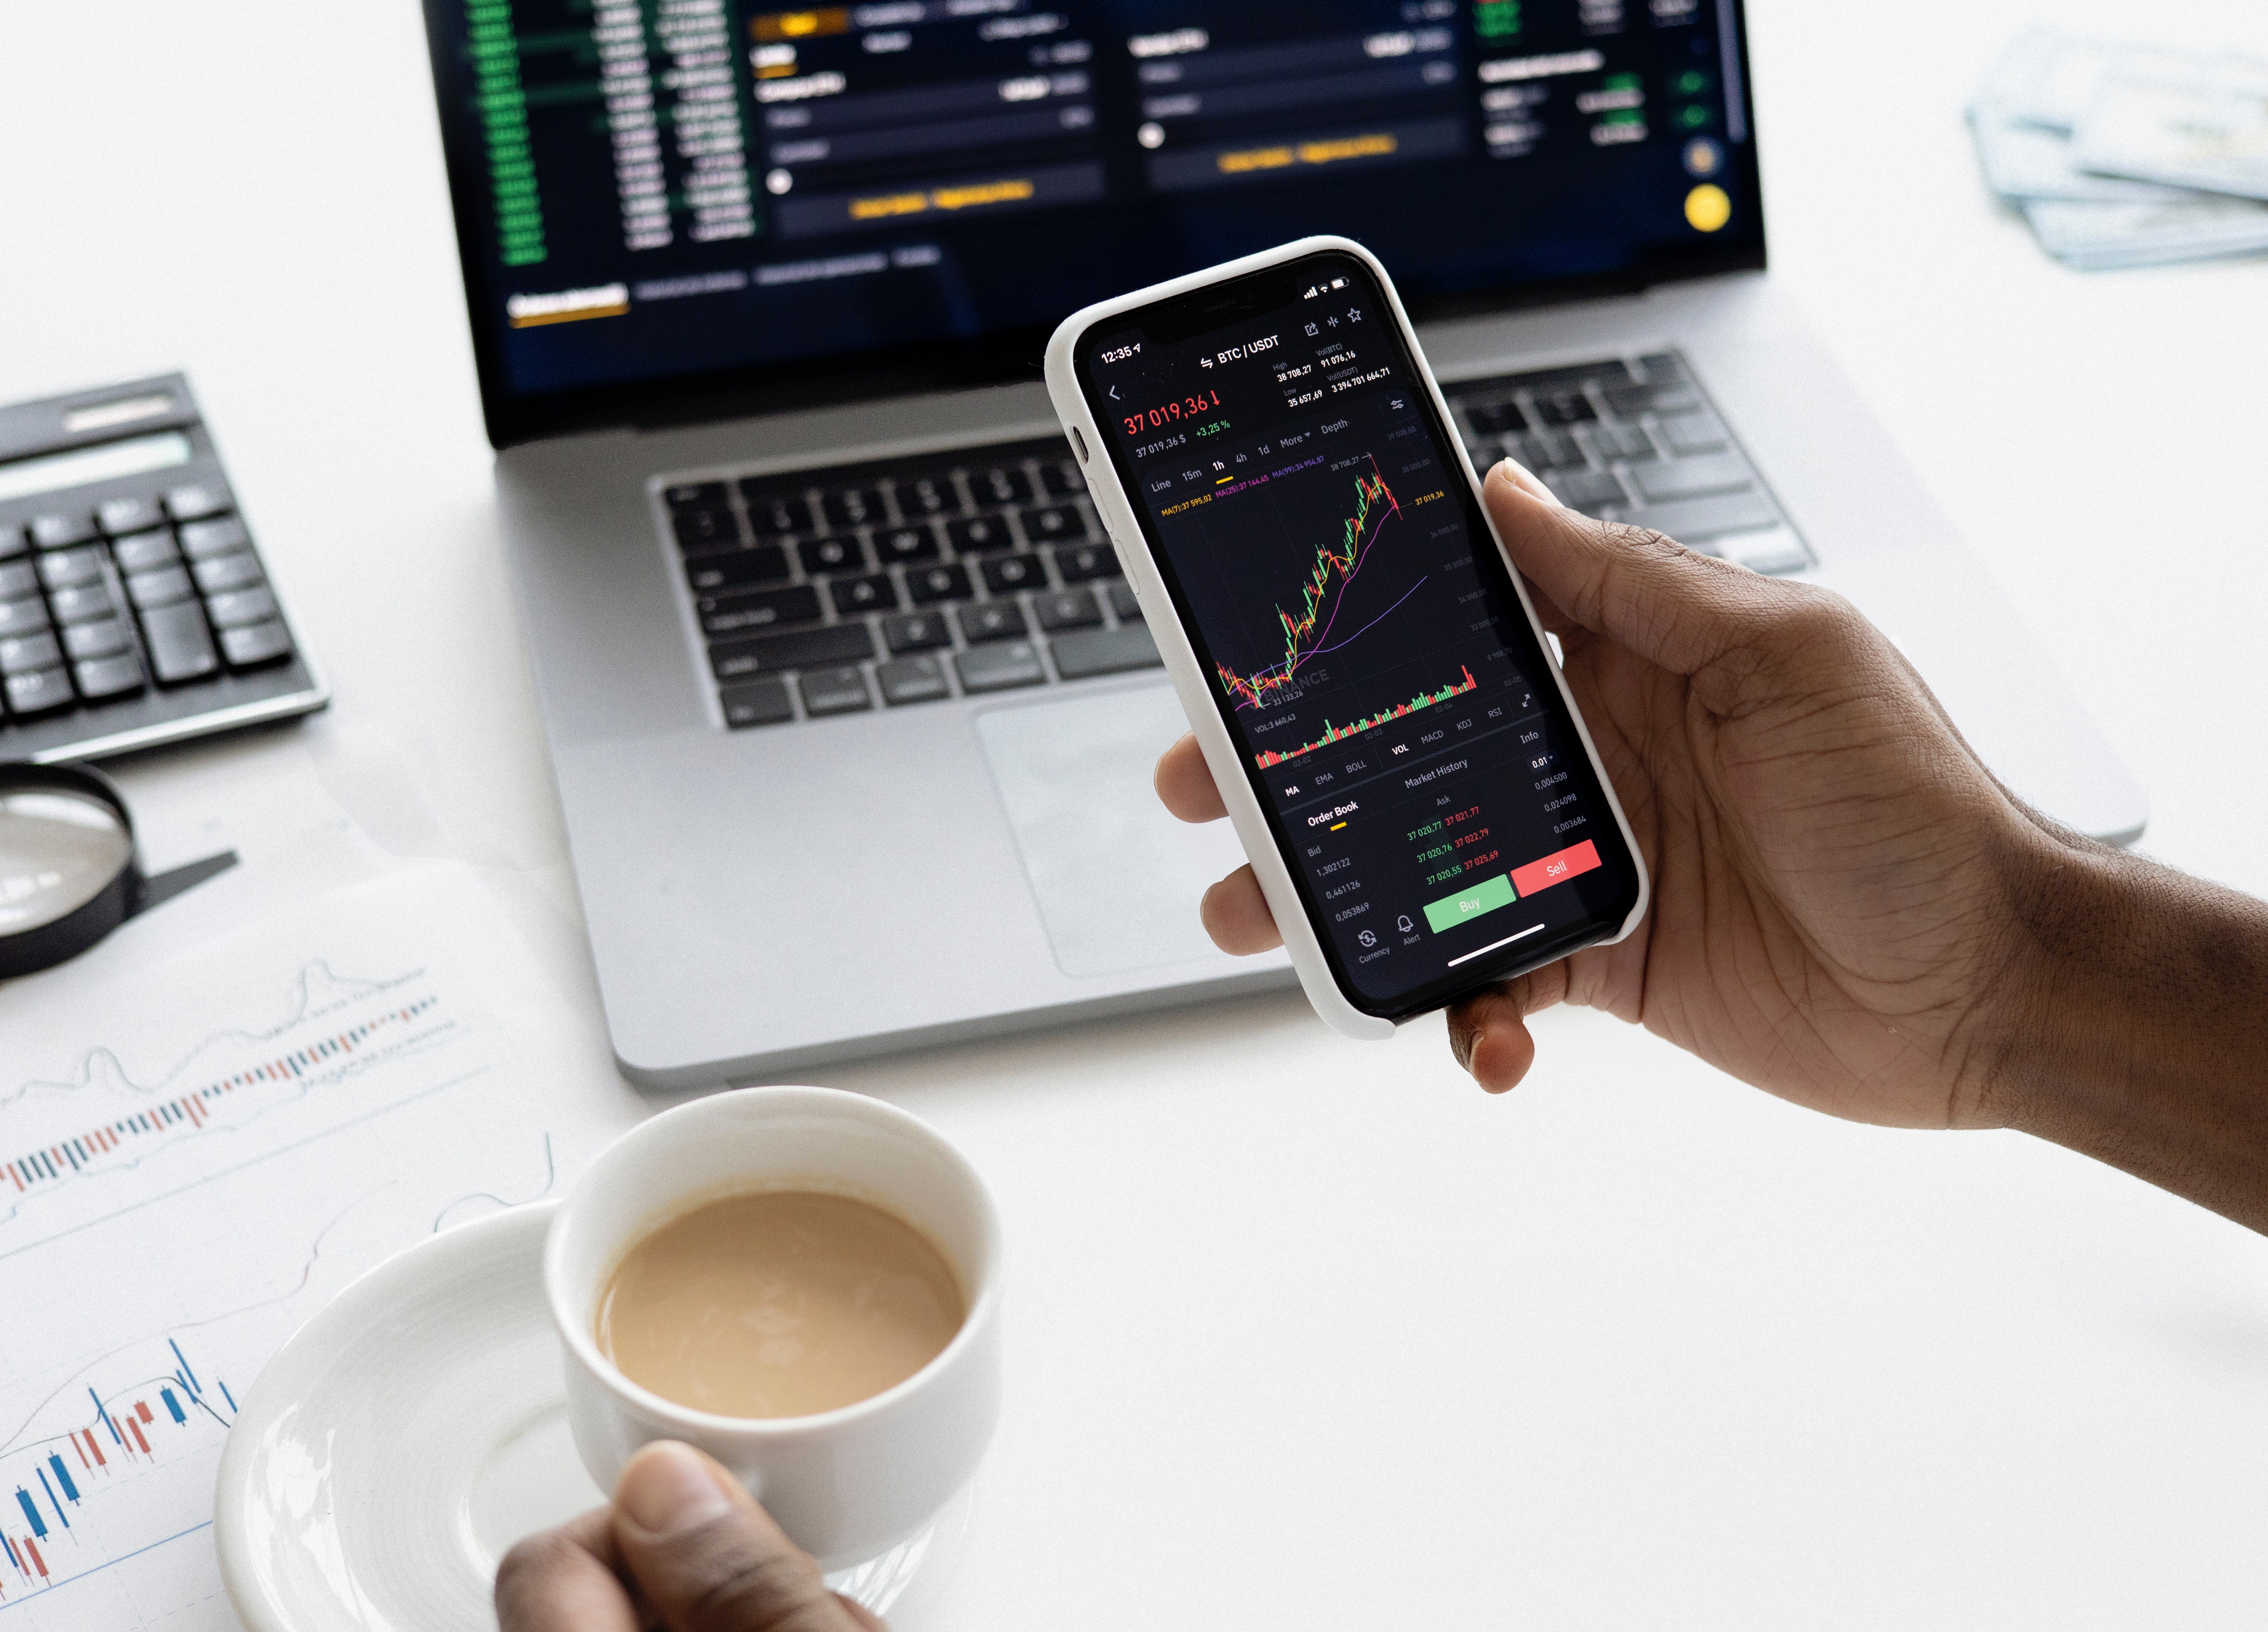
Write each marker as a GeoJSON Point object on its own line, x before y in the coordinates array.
{"type": "Point", "coordinates": [412, 1431]}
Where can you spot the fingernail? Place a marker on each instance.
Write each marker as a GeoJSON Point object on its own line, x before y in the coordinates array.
{"type": "Point", "coordinates": [669, 1486]}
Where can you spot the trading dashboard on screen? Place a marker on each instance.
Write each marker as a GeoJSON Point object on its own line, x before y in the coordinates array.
{"type": "Point", "coordinates": [656, 190]}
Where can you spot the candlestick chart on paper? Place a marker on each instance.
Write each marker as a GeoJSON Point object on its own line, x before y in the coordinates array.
{"type": "Point", "coordinates": [193, 1161]}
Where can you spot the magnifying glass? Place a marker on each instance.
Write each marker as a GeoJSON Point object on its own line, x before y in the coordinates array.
{"type": "Point", "coordinates": [69, 873]}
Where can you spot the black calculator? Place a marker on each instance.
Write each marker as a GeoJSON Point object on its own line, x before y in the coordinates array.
{"type": "Point", "coordinates": [133, 606]}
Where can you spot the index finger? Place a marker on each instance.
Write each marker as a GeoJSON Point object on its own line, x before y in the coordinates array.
{"type": "Point", "coordinates": [1184, 783]}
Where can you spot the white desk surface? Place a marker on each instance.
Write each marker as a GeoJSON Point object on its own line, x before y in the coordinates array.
{"type": "Point", "coordinates": [1308, 1333]}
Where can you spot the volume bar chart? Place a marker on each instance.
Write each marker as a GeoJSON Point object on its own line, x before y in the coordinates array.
{"type": "Point", "coordinates": [1340, 734]}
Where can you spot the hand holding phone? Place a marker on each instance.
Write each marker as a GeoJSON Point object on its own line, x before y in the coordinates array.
{"type": "Point", "coordinates": [1418, 797]}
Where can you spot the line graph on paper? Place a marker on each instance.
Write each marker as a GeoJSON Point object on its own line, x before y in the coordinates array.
{"type": "Point", "coordinates": [79, 1144]}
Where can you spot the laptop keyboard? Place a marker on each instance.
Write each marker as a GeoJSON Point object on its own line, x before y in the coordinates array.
{"type": "Point", "coordinates": [894, 584]}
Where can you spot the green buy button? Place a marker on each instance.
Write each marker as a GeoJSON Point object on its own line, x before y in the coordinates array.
{"type": "Point", "coordinates": [1447, 914]}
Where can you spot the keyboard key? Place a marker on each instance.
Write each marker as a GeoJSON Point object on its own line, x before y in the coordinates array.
{"type": "Point", "coordinates": [931, 585]}
{"type": "Point", "coordinates": [22, 617]}
{"type": "Point", "coordinates": [979, 535]}
{"type": "Point", "coordinates": [228, 572]}
{"type": "Point", "coordinates": [126, 515]}
{"type": "Point", "coordinates": [202, 540]}
{"type": "Point", "coordinates": [68, 569]}
{"type": "Point", "coordinates": [1058, 524]}
{"type": "Point", "coordinates": [765, 563]}
{"type": "Point", "coordinates": [21, 652]}
{"type": "Point", "coordinates": [854, 596]}
{"type": "Point", "coordinates": [1068, 609]}
{"type": "Point", "coordinates": [1006, 574]}
{"type": "Point", "coordinates": [1105, 651]}
{"type": "Point", "coordinates": [13, 541]}
{"type": "Point", "coordinates": [1123, 606]}
{"type": "Point", "coordinates": [999, 668]}
{"type": "Point", "coordinates": [928, 496]}
{"type": "Point", "coordinates": [912, 679]}
{"type": "Point", "coordinates": [102, 678]}
{"type": "Point", "coordinates": [1614, 442]}
{"type": "Point", "coordinates": [853, 507]}
{"type": "Point", "coordinates": [78, 606]}
{"type": "Point", "coordinates": [1631, 400]}
{"type": "Point", "coordinates": [774, 512]}
{"type": "Point", "coordinates": [759, 609]}
{"type": "Point", "coordinates": [101, 640]}
{"type": "Point", "coordinates": [1688, 521]}
{"type": "Point", "coordinates": [38, 691]}
{"type": "Point", "coordinates": [195, 501]}
{"type": "Point", "coordinates": [832, 554]}
{"type": "Point", "coordinates": [179, 647]}
{"type": "Point", "coordinates": [1693, 433]}
{"type": "Point", "coordinates": [1586, 489]}
{"type": "Point", "coordinates": [765, 654]}
{"type": "Point", "coordinates": [1662, 366]}
{"type": "Point", "coordinates": [1547, 450]}
{"type": "Point", "coordinates": [696, 496]}
{"type": "Point", "coordinates": [60, 531]}
{"type": "Point", "coordinates": [1082, 563]}
{"type": "Point", "coordinates": [762, 703]}
{"type": "Point", "coordinates": [138, 551]}
{"type": "Point", "coordinates": [237, 608]}
{"type": "Point", "coordinates": [916, 631]}
{"type": "Point", "coordinates": [1564, 407]}
{"type": "Point", "coordinates": [1773, 553]}
{"type": "Point", "coordinates": [992, 620]}
{"type": "Point", "coordinates": [1690, 478]}
{"type": "Point", "coordinates": [699, 530]}
{"type": "Point", "coordinates": [1496, 419]}
{"type": "Point", "coordinates": [1001, 485]}
{"type": "Point", "coordinates": [834, 691]}
{"type": "Point", "coordinates": [255, 643]}
{"type": "Point", "coordinates": [1061, 478]}
{"type": "Point", "coordinates": [17, 579]}
{"type": "Point", "coordinates": [161, 588]}
{"type": "Point", "coordinates": [901, 547]}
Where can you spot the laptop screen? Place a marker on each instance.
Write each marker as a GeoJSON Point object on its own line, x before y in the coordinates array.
{"type": "Point", "coordinates": [708, 200]}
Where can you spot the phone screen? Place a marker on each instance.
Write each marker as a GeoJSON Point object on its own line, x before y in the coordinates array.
{"type": "Point", "coordinates": [1359, 631]}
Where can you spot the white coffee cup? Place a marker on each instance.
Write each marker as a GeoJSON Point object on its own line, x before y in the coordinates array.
{"type": "Point", "coordinates": [846, 1485]}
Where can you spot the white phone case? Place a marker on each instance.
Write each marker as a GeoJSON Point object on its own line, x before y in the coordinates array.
{"type": "Point", "coordinates": [1115, 507]}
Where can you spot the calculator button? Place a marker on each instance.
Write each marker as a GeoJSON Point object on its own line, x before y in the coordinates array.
{"type": "Point", "coordinates": [234, 607]}
{"type": "Point", "coordinates": [138, 551]}
{"type": "Point", "coordinates": [69, 569]}
{"type": "Point", "coordinates": [227, 572]}
{"type": "Point", "coordinates": [38, 691]}
{"type": "Point", "coordinates": [21, 652]}
{"type": "Point", "coordinates": [126, 515]}
{"type": "Point", "coordinates": [195, 501]}
{"type": "Point", "coordinates": [109, 677]}
{"type": "Point", "coordinates": [18, 580]}
{"type": "Point", "coordinates": [161, 588]}
{"type": "Point", "coordinates": [104, 639]}
{"type": "Point", "coordinates": [179, 647]}
{"type": "Point", "coordinates": [258, 643]}
{"type": "Point", "coordinates": [83, 604]}
{"type": "Point", "coordinates": [202, 540]}
{"type": "Point", "coordinates": [60, 531]}
{"type": "Point", "coordinates": [21, 617]}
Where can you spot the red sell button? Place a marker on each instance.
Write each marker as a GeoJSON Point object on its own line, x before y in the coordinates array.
{"type": "Point", "coordinates": [1553, 870]}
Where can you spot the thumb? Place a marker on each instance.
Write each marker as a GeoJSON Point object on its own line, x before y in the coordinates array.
{"type": "Point", "coordinates": [708, 1559]}
{"type": "Point", "coordinates": [1667, 603]}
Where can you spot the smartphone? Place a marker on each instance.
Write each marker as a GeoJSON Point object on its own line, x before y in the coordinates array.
{"type": "Point", "coordinates": [1359, 660]}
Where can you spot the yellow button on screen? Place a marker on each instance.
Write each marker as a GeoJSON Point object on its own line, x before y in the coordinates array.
{"type": "Point", "coordinates": [1707, 208]}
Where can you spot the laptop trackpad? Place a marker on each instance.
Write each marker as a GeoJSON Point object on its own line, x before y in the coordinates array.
{"type": "Point", "coordinates": [1116, 878]}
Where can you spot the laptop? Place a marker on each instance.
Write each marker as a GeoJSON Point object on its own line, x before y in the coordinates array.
{"type": "Point", "coordinates": [852, 714]}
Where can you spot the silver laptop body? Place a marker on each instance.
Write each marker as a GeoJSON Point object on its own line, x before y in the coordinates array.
{"type": "Point", "coordinates": [844, 883]}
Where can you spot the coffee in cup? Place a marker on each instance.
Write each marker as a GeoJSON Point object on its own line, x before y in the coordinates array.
{"type": "Point", "coordinates": [779, 1303]}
